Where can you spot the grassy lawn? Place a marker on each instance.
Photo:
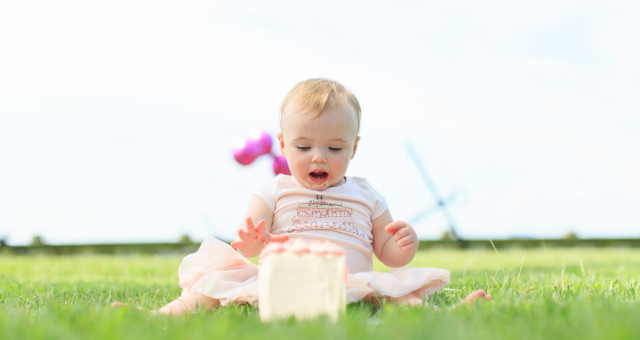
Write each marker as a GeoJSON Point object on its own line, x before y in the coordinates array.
{"type": "Point", "coordinates": [539, 294]}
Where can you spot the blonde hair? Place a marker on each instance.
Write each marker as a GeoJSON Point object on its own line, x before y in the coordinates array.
{"type": "Point", "coordinates": [319, 95]}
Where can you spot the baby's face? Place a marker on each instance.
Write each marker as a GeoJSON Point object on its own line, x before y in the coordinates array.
{"type": "Point", "coordinates": [319, 148]}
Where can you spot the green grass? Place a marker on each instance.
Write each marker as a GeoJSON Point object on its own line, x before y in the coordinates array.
{"type": "Point", "coordinates": [538, 294]}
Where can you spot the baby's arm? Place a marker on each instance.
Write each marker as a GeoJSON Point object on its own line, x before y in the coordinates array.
{"type": "Point", "coordinates": [250, 237]}
{"type": "Point", "coordinates": [394, 242]}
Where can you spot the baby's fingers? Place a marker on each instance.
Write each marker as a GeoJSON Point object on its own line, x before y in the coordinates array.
{"type": "Point", "coordinates": [255, 228]}
{"type": "Point", "coordinates": [250, 225]}
{"type": "Point", "coordinates": [393, 227]}
{"type": "Point", "coordinates": [242, 234]}
{"type": "Point", "coordinates": [407, 242]}
{"type": "Point", "coordinates": [260, 226]}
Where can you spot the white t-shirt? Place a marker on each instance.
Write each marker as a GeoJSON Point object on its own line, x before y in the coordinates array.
{"type": "Point", "coordinates": [340, 214]}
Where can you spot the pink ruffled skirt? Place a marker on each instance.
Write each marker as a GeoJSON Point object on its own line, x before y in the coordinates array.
{"type": "Point", "coordinates": [220, 272]}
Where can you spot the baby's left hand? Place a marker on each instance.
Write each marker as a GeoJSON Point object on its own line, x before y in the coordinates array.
{"type": "Point", "coordinates": [403, 235]}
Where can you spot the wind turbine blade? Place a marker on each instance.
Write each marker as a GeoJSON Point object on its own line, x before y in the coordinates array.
{"type": "Point", "coordinates": [423, 173]}
{"type": "Point", "coordinates": [430, 210]}
{"type": "Point", "coordinates": [423, 214]}
{"type": "Point", "coordinates": [436, 195]}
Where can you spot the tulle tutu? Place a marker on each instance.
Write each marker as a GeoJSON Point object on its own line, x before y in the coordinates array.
{"type": "Point", "coordinates": [219, 271]}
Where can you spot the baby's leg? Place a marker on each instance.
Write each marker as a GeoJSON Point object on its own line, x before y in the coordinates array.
{"type": "Point", "coordinates": [189, 303]}
{"type": "Point", "coordinates": [409, 300]}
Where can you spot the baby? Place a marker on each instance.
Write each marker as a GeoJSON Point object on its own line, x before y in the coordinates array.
{"type": "Point", "coordinates": [319, 122]}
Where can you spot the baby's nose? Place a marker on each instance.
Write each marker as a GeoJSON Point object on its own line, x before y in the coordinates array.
{"type": "Point", "coordinates": [319, 157]}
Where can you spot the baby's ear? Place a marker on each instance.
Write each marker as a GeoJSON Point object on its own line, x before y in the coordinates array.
{"type": "Point", "coordinates": [281, 143]}
{"type": "Point", "coordinates": [355, 147]}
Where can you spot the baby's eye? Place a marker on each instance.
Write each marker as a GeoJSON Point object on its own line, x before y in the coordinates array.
{"type": "Point", "coordinates": [304, 148]}
{"type": "Point", "coordinates": [335, 149]}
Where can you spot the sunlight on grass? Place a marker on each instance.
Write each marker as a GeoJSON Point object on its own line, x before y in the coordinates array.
{"type": "Point", "coordinates": [568, 293]}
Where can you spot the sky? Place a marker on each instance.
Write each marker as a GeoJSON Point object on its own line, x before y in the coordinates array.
{"type": "Point", "coordinates": [117, 117]}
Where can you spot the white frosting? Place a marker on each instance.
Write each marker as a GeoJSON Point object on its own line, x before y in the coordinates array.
{"type": "Point", "coordinates": [301, 285]}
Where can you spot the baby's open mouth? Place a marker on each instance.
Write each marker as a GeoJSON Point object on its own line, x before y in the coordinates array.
{"type": "Point", "coordinates": [319, 175]}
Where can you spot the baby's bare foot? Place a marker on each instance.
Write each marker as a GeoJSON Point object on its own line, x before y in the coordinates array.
{"type": "Point", "coordinates": [478, 294]}
{"type": "Point", "coordinates": [118, 305]}
{"type": "Point", "coordinates": [176, 307]}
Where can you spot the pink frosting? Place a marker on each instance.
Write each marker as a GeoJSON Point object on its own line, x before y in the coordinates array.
{"type": "Point", "coordinates": [299, 247]}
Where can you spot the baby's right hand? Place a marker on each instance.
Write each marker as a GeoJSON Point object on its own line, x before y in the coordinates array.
{"type": "Point", "coordinates": [251, 239]}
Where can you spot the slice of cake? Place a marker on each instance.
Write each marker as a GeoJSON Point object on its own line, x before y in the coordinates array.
{"type": "Point", "coordinates": [301, 279]}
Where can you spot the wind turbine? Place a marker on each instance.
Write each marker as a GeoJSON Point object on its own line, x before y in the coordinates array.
{"type": "Point", "coordinates": [441, 203]}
